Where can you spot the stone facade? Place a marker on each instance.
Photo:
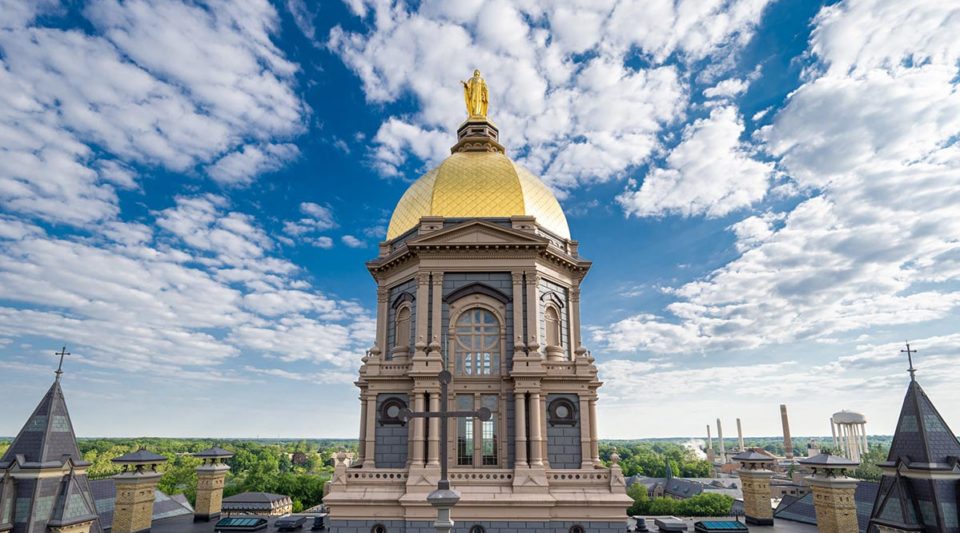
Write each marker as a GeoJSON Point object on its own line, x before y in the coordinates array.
{"type": "Point", "coordinates": [482, 293]}
{"type": "Point", "coordinates": [133, 511]}
{"type": "Point", "coordinates": [835, 505]}
{"type": "Point", "coordinates": [210, 479]}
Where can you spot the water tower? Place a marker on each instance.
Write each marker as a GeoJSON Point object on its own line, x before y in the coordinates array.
{"type": "Point", "coordinates": [849, 434]}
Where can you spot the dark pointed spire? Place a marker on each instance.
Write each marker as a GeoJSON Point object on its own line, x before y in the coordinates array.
{"type": "Point", "coordinates": [921, 474]}
{"type": "Point", "coordinates": [48, 436]}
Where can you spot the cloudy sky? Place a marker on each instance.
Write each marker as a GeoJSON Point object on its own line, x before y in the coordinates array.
{"type": "Point", "coordinates": [769, 190]}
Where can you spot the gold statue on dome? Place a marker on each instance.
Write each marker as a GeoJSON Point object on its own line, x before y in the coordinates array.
{"type": "Point", "coordinates": [475, 95]}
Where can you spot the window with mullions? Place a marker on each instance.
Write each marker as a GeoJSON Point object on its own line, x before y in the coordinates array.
{"type": "Point", "coordinates": [473, 451]}
{"type": "Point", "coordinates": [488, 447]}
{"type": "Point", "coordinates": [477, 343]}
{"type": "Point", "coordinates": [465, 431]}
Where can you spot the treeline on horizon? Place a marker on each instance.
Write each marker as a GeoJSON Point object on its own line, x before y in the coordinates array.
{"type": "Point", "coordinates": [299, 468]}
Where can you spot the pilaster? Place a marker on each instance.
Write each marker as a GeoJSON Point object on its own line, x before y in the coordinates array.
{"type": "Point", "coordinates": [369, 451]}
{"type": "Point", "coordinates": [383, 296]}
{"type": "Point", "coordinates": [533, 313]}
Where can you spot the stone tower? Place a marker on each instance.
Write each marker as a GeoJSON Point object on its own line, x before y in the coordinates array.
{"type": "Point", "coordinates": [133, 510]}
{"type": "Point", "coordinates": [755, 472]}
{"type": "Point", "coordinates": [43, 480]}
{"type": "Point", "coordinates": [833, 492]}
{"type": "Point", "coordinates": [479, 276]}
{"type": "Point", "coordinates": [210, 478]}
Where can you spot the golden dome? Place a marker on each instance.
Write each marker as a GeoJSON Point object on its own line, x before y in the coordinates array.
{"type": "Point", "coordinates": [478, 184]}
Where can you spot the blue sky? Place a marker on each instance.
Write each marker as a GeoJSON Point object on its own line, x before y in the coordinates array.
{"type": "Point", "coordinates": [188, 192]}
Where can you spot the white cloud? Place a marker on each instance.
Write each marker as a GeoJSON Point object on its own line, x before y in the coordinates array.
{"type": "Point", "coordinates": [244, 165]}
{"type": "Point", "coordinates": [321, 216]}
{"type": "Point", "coordinates": [872, 139]}
{"type": "Point", "coordinates": [710, 172]}
{"type": "Point", "coordinates": [727, 88]}
{"type": "Point", "coordinates": [573, 123]}
{"type": "Point", "coordinates": [169, 84]}
{"type": "Point", "coordinates": [181, 302]}
{"type": "Point", "coordinates": [352, 241]}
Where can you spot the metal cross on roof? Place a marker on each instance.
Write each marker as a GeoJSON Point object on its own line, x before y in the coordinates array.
{"type": "Point", "coordinates": [443, 498]}
{"type": "Point", "coordinates": [910, 353]}
{"type": "Point", "coordinates": [63, 351]}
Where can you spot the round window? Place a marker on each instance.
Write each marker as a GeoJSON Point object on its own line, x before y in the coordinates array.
{"type": "Point", "coordinates": [379, 528]}
{"type": "Point", "coordinates": [576, 529]}
{"type": "Point", "coordinates": [393, 411]}
{"type": "Point", "coordinates": [563, 411]}
{"type": "Point", "coordinates": [476, 528]}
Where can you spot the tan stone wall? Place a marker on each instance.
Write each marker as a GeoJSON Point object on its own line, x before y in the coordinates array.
{"type": "Point", "coordinates": [836, 509]}
{"type": "Point", "coordinates": [83, 527]}
{"type": "Point", "coordinates": [756, 495]}
{"type": "Point", "coordinates": [133, 510]}
{"type": "Point", "coordinates": [209, 492]}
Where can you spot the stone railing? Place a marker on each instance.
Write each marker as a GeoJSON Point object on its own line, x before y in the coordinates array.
{"type": "Point", "coordinates": [377, 476]}
{"type": "Point", "coordinates": [579, 477]}
{"type": "Point", "coordinates": [481, 476]}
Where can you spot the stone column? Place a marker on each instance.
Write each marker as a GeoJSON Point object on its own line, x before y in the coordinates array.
{"type": "Point", "coordinates": [520, 419]}
{"type": "Point", "coordinates": [755, 473]}
{"type": "Point", "coordinates": [594, 440]}
{"type": "Point", "coordinates": [420, 339]}
{"type": "Point", "coordinates": [518, 326]}
{"type": "Point", "coordinates": [544, 452]}
{"type": "Point", "coordinates": [833, 492]}
{"type": "Point", "coordinates": [586, 447]}
{"type": "Point", "coordinates": [533, 312]}
{"type": "Point", "coordinates": [436, 326]}
{"type": "Point", "coordinates": [433, 444]}
{"type": "Point", "coordinates": [418, 429]}
{"type": "Point", "coordinates": [210, 477]}
{"type": "Point", "coordinates": [370, 452]}
{"type": "Point", "coordinates": [536, 439]}
{"type": "Point", "coordinates": [383, 295]}
{"type": "Point", "coordinates": [133, 507]}
{"type": "Point", "coordinates": [361, 446]}
{"type": "Point", "coordinates": [574, 317]}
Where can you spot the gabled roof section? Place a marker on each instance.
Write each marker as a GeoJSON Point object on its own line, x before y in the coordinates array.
{"type": "Point", "coordinates": [922, 440]}
{"type": "Point", "coordinates": [73, 505]}
{"type": "Point", "coordinates": [476, 232]}
{"type": "Point", "coordinates": [47, 439]}
{"type": "Point", "coordinates": [895, 505]}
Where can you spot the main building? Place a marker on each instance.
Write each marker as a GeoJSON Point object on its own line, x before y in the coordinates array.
{"type": "Point", "coordinates": [479, 276]}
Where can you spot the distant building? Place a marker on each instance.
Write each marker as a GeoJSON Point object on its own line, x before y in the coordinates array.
{"type": "Point", "coordinates": [849, 434]}
{"type": "Point", "coordinates": [258, 503]}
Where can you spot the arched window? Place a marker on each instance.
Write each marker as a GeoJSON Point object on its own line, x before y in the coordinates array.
{"type": "Point", "coordinates": [552, 318]}
{"type": "Point", "coordinates": [403, 329]}
{"type": "Point", "coordinates": [477, 344]}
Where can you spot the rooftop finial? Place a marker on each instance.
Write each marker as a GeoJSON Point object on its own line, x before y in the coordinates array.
{"type": "Point", "coordinates": [63, 351]}
{"type": "Point", "coordinates": [913, 371]}
{"type": "Point", "coordinates": [475, 95]}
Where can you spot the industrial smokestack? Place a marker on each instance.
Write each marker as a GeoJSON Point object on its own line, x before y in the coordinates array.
{"type": "Point", "coordinates": [710, 452]}
{"type": "Point", "coordinates": [787, 442]}
{"type": "Point", "coordinates": [723, 451]}
{"type": "Point", "coordinates": [740, 435]}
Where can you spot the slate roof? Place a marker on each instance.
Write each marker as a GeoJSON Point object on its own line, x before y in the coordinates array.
{"type": "Point", "coordinates": [47, 444]}
{"type": "Point", "coordinates": [255, 501]}
{"type": "Point", "coordinates": [164, 507]}
{"type": "Point", "coordinates": [801, 509]}
{"type": "Point", "coordinates": [141, 456]}
{"type": "Point", "coordinates": [923, 443]}
{"type": "Point", "coordinates": [47, 438]}
{"type": "Point", "coordinates": [214, 453]}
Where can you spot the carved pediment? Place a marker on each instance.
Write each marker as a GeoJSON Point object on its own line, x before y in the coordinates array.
{"type": "Point", "coordinates": [476, 232]}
